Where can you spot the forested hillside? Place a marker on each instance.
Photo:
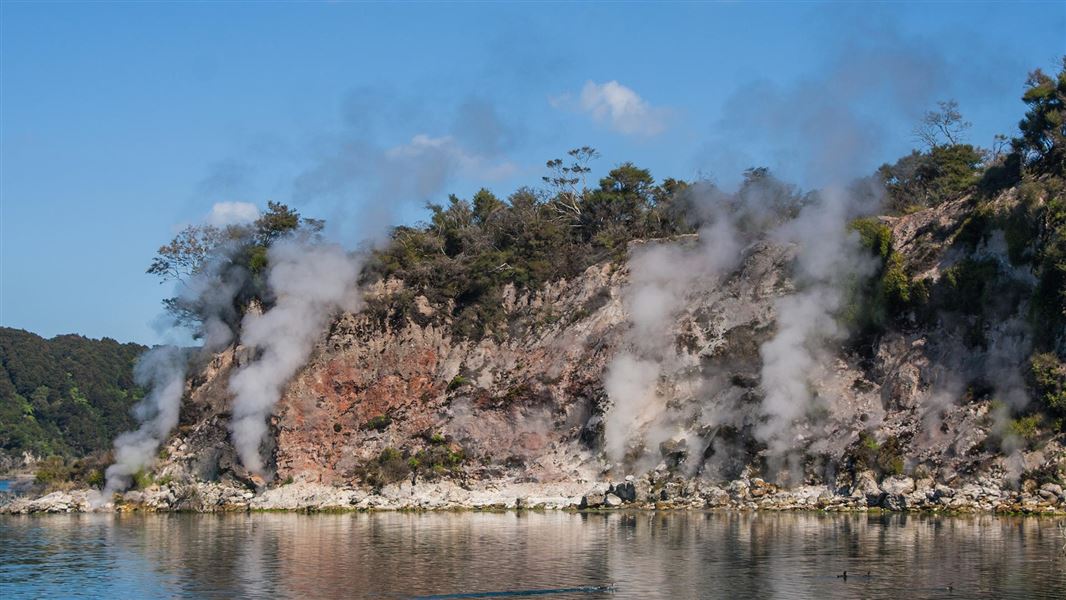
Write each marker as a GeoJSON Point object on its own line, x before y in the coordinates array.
{"type": "Point", "coordinates": [69, 395]}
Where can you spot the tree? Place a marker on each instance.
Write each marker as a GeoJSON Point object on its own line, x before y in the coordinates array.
{"type": "Point", "coordinates": [564, 179]}
{"type": "Point", "coordinates": [944, 127]}
{"type": "Point", "coordinates": [1043, 129]}
{"type": "Point", "coordinates": [186, 254]}
{"type": "Point", "coordinates": [238, 254]}
{"type": "Point", "coordinates": [928, 178]}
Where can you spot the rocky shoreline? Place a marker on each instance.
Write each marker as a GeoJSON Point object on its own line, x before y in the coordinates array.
{"type": "Point", "coordinates": [893, 494]}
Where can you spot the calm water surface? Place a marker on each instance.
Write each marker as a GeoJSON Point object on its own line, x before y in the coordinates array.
{"type": "Point", "coordinates": [641, 555]}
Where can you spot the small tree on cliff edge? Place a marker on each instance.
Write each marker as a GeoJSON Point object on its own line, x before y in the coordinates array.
{"type": "Point", "coordinates": [239, 253]}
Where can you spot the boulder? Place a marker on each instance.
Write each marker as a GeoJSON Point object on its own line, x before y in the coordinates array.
{"type": "Point", "coordinates": [592, 500]}
{"type": "Point", "coordinates": [895, 502]}
{"type": "Point", "coordinates": [898, 485]}
{"type": "Point", "coordinates": [865, 486]}
{"type": "Point", "coordinates": [612, 501]}
{"type": "Point", "coordinates": [1053, 488]}
{"type": "Point", "coordinates": [715, 496]}
{"type": "Point", "coordinates": [674, 452]}
{"type": "Point", "coordinates": [738, 489]}
{"type": "Point", "coordinates": [626, 491]}
{"type": "Point", "coordinates": [760, 488]}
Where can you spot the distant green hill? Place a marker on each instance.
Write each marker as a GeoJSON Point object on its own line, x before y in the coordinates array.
{"type": "Point", "coordinates": [68, 395]}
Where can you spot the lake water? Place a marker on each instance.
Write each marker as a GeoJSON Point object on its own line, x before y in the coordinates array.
{"type": "Point", "coordinates": [456, 555]}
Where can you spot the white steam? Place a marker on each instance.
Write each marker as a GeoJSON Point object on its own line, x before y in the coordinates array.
{"type": "Point", "coordinates": [161, 370]}
{"type": "Point", "coordinates": [661, 274]}
{"type": "Point", "coordinates": [310, 282]}
{"type": "Point", "coordinates": [828, 256]}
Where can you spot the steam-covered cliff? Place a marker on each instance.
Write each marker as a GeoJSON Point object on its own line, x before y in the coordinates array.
{"type": "Point", "coordinates": [896, 341]}
{"type": "Point", "coordinates": [916, 415]}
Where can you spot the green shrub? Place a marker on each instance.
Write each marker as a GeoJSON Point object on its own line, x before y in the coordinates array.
{"type": "Point", "coordinates": [388, 467]}
{"type": "Point", "coordinates": [142, 479]}
{"type": "Point", "coordinates": [895, 285]}
{"type": "Point", "coordinates": [457, 382]}
{"type": "Point", "coordinates": [976, 227]}
{"type": "Point", "coordinates": [885, 459]}
{"type": "Point", "coordinates": [967, 282]}
{"type": "Point", "coordinates": [52, 470]}
{"type": "Point", "coordinates": [1047, 377]}
{"type": "Point", "coordinates": [95, 478]}
{"type": "Point", "coordinates": [868, 442]}
{"type": "Point", "coordinates": [438, 460]}
{"type": "Point", "coordinates": [874, 235]}
{"type": "Point", "coordinates": [889, 293]}
{"type": "Point", "coordinates": [379, 423]}
{"type": "Point", "coordinates": [1025, 428]}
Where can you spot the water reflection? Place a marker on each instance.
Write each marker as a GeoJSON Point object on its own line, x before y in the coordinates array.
{"type": "Point", "coordinates": [644, 555]}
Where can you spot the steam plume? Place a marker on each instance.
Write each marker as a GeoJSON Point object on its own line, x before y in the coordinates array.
{"type": "Point", "coordinates": [310, 282]}
{"type": "Point", "coordinates": [162, 370]}
{"type": "Point", "coordinates": [828, 256]}
{"type": "Point", "coordinates": [660, 276]}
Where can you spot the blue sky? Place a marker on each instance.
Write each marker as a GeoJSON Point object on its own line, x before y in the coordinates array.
{"type": "Point", "coordinates": [122, 122]}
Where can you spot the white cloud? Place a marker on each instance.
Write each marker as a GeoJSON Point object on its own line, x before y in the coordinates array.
{"type": "Point", "coordinates": [618, 106]}
{"type": "Point", "coordinates": [232, 213]}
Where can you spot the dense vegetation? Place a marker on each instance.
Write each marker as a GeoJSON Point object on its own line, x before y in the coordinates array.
{"type": "Point", "coordinates": [470, 249]}
{"type": "Point", "coordinates": [67, 396]}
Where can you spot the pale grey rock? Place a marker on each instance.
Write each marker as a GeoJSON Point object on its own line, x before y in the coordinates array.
{"type": "Point", "coordinates": [898, 485]}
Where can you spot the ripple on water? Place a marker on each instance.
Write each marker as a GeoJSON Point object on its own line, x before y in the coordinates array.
{"type": "Point", "coordinates": [552, 555]}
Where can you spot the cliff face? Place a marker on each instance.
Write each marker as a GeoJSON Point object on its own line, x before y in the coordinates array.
{"type": "Point", "coordinates": [387, 398]}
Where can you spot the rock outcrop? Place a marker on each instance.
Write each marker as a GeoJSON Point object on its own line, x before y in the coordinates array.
{"type": "Point", "coordinates": [395, 411]}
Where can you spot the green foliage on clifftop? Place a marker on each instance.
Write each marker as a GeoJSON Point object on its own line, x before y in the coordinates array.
{"type": "Point", "coordinates": [470, 249]}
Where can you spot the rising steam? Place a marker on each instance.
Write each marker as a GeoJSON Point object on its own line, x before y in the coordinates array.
{"type": "Point", "coordinates": [162, 371]}
{"type": "Point", "coordinates": [828, 256]}
{"type": "Point", "coordinates": [310, 282]}
{"type": "Point", "coordinates": [661, 274]}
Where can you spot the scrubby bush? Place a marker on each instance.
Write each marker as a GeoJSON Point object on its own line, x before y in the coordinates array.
{"type": "Point", "coordinates": [874, 235]}
{"type": "Point", "coordinates": [52, 470]}
{"type": "Point", "coordinates": [889, 292]}
{"type": "Point", "coordinates": [379, 423]}
{"type": "Point", "coordinates": [967, 282]}
{"type": "Point", "coordinates": [1026, 428]}
{"type": "Point", "coordinates": [457, 382]}
{"type": "Point", "coordinates": [1047, 377]}
{"type": "Point", "coordinates": [884, 459]}
{"type": "Point", "coordinates": [388, 467]}
{"type": "Point", "coordinates": [392, 465]}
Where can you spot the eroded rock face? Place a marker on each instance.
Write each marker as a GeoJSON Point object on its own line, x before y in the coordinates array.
{"type": "Point", "coordinates": [526, 405]}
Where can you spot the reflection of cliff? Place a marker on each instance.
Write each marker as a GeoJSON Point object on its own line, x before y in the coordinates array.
{"type": "Point", "coordinates": [642, 554]}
